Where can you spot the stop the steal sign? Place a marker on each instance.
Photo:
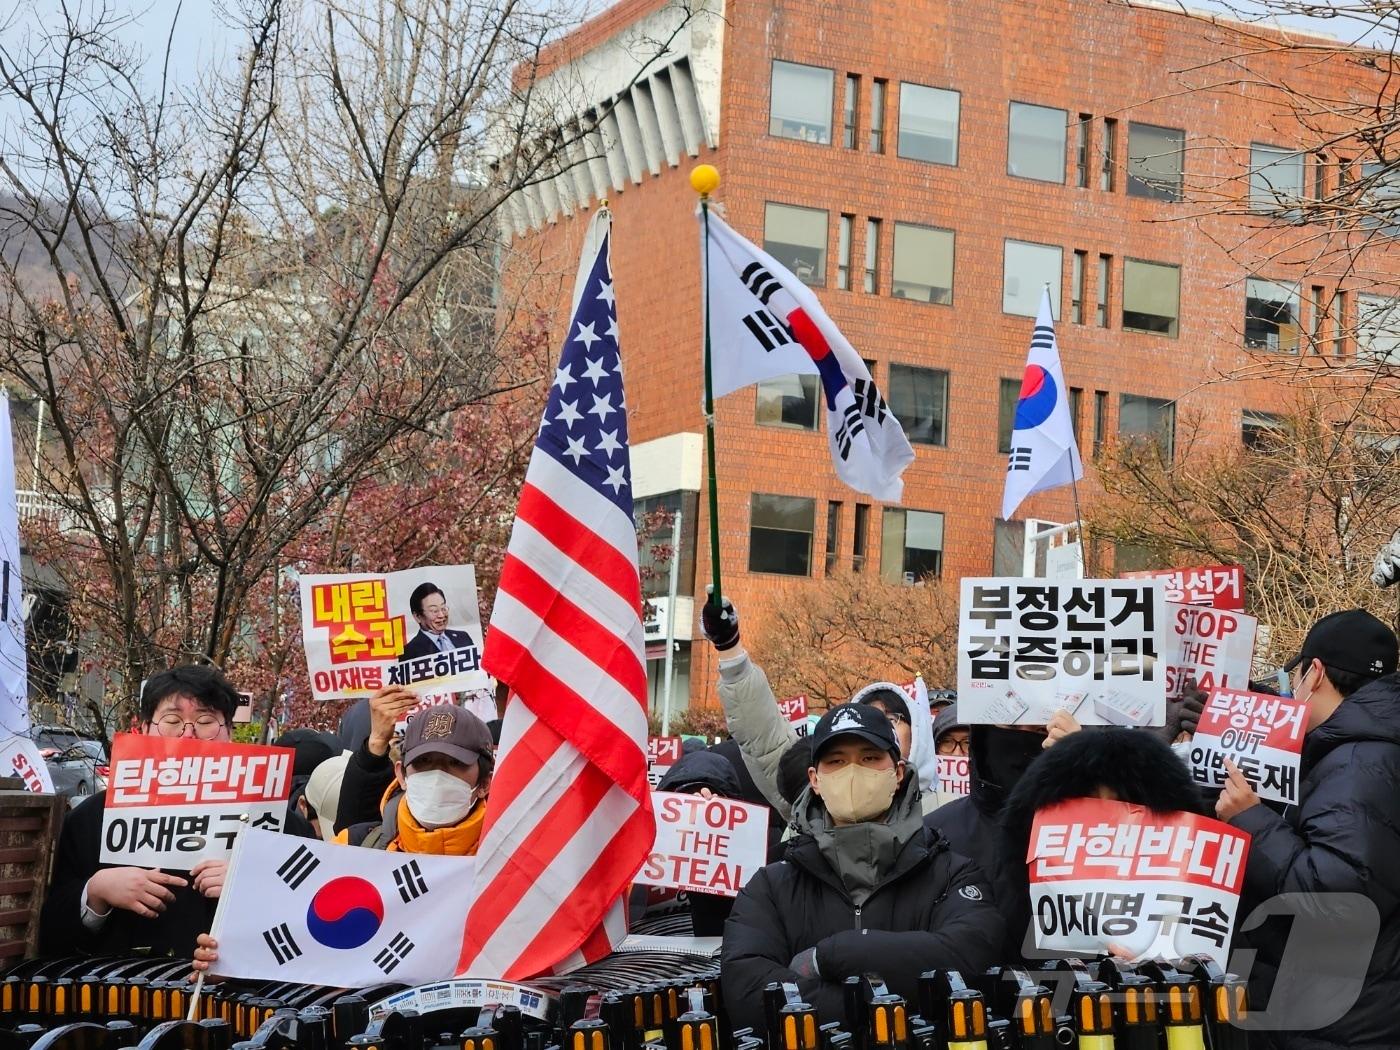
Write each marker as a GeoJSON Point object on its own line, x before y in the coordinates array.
{"type": "Point", "coordinates": [705, 845]}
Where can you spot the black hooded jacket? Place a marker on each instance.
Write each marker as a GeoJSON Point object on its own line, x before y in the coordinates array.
{"type": "Point", "coordinates": [1342, 838]}
{"type": "Point", "coordinates": [930, 910]}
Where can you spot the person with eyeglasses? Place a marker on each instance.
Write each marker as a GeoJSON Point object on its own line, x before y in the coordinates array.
{"type": "Point", "coordinates": [104, 909]}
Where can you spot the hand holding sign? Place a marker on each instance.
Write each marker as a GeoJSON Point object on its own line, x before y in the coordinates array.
{"type": "Point", "coordinates": [387, 708]}
{"type": "Point", "coordinates": [1237, 796]}
{"type": "Point", "coordinates": [209, 877]}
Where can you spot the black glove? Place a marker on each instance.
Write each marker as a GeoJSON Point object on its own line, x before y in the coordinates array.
{"type": "Point", "coordinates": [719, 625]}
{"type": "Point", "coordinates": [1185, 714]}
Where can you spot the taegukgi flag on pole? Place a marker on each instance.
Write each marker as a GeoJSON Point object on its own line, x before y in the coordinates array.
{"type": "Point", "coordinates": [1043, 452]}
{"type": "Point", "coordinates": [765, 323]}
{"type": "Point", "coordinates": [315, 912]}
{"type": "Point", "coordinates": [14, 675]}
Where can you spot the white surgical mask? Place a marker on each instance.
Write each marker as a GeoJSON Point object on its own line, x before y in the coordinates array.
{"type": "Point", "coordinates": [436, 798]}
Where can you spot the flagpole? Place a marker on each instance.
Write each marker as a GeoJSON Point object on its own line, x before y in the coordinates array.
{"type": "Point", "coordinates": [216, 926]}
{"type": "Point", "coordinates": [1073, 481]}
{"type": "Point", "coordinates": [704, 179]}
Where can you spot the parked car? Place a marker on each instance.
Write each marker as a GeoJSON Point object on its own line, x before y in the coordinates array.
{"type": "Point", "coordinates": [77, 764]}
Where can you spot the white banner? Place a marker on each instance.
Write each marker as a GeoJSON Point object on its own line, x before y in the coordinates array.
{"type": "Point", "coordinates": [1214, 648]}
{"type": "Point", "coordinates": [705, 845]}
{"type": "Point", "coordinates": [19, 757]}
{"type": "Point", "coordinates": [419, 628]}
{"type": "Point", "coordinates": [1095, 648]}
{"type": "Point", "coordinates": [954, 774]}
{"type": "Point", "coordinates": [318, 913]}
{"type": "Point", "coordinates": [14, 671]}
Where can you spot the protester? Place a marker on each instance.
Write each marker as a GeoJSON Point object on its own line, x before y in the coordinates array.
{"type": "Point", "coordinates": [105, 909]}
{"type": "Point", "coordinates": [435, 801]}
{"type": "Point", "coordinates": [913, 728]}
{"type": "Point", "coordinates": [310, 748]}
{"type": "Point", "coordinates": [951, 735]}
{"type": "Point", "coordinates": [1343, 838]}
{"type": "Point", "coordinates": [792, 770]}
{"type": "Point", "coordinates": [866, 888]}
{"type": "Point", "coordinates": [322, 795]}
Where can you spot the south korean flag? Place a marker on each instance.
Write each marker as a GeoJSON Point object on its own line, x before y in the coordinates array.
{"type": "Point", "coordinates": [300, 910]}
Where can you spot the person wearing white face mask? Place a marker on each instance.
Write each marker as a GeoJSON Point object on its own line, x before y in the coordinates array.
{"type": "Point", "coordinates": [864, 888]}
{"type": "Point", "coordinates": [436, 802]}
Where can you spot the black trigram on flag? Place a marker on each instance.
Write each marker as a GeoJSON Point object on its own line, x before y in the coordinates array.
{"type": "Point", "coordinates": [409, 880]}
{"type": "Point", "coordinates": [396, 952]}
{"type": "Point", "coordinates": [759, 281]}
{"type": "Point", "coordinates": [297, 867]}
{"type": "Point", "coordinates": [279, 941]}
{"type": "Point", "coordinates": [1020, 459]}
{"type": "Point", "coordinates": [872, 405]}
{"type": "Point", "coordinates": [768, 330]}
{"type": "Point", "coordinates": [852, 426]}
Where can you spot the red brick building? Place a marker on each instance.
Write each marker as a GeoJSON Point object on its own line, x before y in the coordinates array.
{"type": "Point", "coordinates": [929, 165]}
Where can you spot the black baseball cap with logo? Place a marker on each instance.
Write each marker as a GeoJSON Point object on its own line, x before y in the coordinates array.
{"type": "Point", "coordinates": [1352, 641]}
{"type": "Point", "coordinates": [857, 720]}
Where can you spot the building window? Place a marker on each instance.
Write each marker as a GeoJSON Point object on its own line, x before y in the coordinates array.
{"type": "Point", "coordinates": [1076, 287]}
{"type": "Point", "coordinates": [872, 256]}
{"type": "Point", "coordinates": [1108, 155]}
{"type": "Point", "coordinates": [1151, 297]}
{"type": "Point", "coordinates": [1261, 431]}
{"type": "Point", "coordinates": [1026, 269]}
{"type": "Point", "coordinates": [878, 89]}
{"type": "Point", "coordinates": [923, 263]}
{"type": "Point", "coordinates": [1076, 405]}
{"type": "Point", "coordinates": [1035, 143]}
{"type": "Point", "coordinates": [1100, 420]}
{"type": "Point", "coordinates": [1378, 329]}
{"type": "Point", "coordinates": [1275, 178]}
{"type": "Point", "coordinates": [1105, 275]}
{"type": "Point", "coordinates": [1148, 419]}
{"type": "Point", "coordinates": [860, 533]}
{"type": "Point", "coordinates": [788, 401]}
{"type": "Point", "coordinates": [796, 237]}
{"type": "Point", "coordinates": [800, 106]}
{"type": "Point", "coordinates": [919, 400]}
{"type": "Point", "coordinates": [1317, 330]}
{"type": "Point", "coordinates": [1271, 319]}
{"type": "Point", "coordinates": [911, 545]}
{"type": "Point", "coordinates": [928, 124]}
{"type": "Point", "coordinates": [833, 534]}
{"type": "Point", "coordinates": [655, 569]}
{"type": "Point", "coordinates": [1008, 396]}
{"type": "Point", "coordinates": [1081, 151]}
{"type": "Point", "coordinates": [843, 253]}
{"type": "Point", "coordinates": [1319, 166]}
{"type": "Point", "coordinates": [852, 107]}
{"type": "Point", "coordinates": [1339, 320]}
{"type": "Point", "coordinates": [1155, 160]}
{"type": "Point", "coordinates": [780, 534]}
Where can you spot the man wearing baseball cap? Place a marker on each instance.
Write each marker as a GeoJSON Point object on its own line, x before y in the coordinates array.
{"type": "Point", "coordinates": [865, 887]}
{"type": "Point", "coordinates": [1336, 853]}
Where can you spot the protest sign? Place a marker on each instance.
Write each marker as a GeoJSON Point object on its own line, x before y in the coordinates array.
{"type": "Point", "coordinates": [954, 775]}
{"type": "Point", "coordinates": [1219, 586]}
{"type": "Point", "coordinates": [419, 628]}
{"type": "Point", "coordinates": [704, 845]}
{"type": "Point", "coordinates": [174, 801]}
{"type": "Point", "coordinates": [480, 702]}
{"type": "Point", "coordinates": [1095, 648]}
{"type": "Point", "coordinates": [20, 758]}
{"type": "Point", "coordinates": [309, 911]}
{"type": "Point", "coordinates": [794, 709]}
{"type": "Point", "coordinates": [1259, 733]}
{"type": "Point", "coordinates": [1214, 648]}
{"type": "Point", "coordinates": [1155, 885]}
{"type": "Point", "coordinates": [663, 752]}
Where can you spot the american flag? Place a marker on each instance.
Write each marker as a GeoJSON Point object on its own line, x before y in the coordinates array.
{"type": "Point", "coordinates": [569, 822]}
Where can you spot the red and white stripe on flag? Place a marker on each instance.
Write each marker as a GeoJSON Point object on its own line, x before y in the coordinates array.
{"type": "Point", "coordinates": [569, 821]}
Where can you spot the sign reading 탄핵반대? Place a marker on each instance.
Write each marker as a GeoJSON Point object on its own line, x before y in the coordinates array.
{"type": "Point", "coordinates": [1095, 648]}
{"type": "Point", "coordinates": [419, 628]}
{"type": "Point", "coordinates": [172, 802]}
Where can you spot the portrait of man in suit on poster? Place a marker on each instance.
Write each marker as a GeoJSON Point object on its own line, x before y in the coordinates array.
{"type": "Point", "coordinates": [429, 607]}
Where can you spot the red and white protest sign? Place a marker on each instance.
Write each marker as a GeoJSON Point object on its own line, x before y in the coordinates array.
{"type": "Point", "coordinates": [1153, 884]}
{"type": "Point", "coordinates": [1219, 586]}
{"type": "Point", "coordinates": [419, 628]}
{"type": "Point", "coordinates": [663, 752]}
{"type": "Point", "coordinates": [480, 702]}
{"type": "Point", "coordinates": [174, 801]}
{"type": "Point", "coordinates": [1259, 733]}
{"type": "Point", "coordinates": [20, 758]}
{"type": "Point", "coordinates": [705, 845]}
{"type": "Point", "coordinates": [1214, 648]}
{"type": "Point", "coordinates": [794, 709]}
{"type": "Point", "coordinates": [954, 776]}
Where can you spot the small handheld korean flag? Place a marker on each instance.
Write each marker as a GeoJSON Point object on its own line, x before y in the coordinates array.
{"type": "Point", "coordinates": [1043, 451]}
{"type": "Point", "coordinates": [764, 323]}
{"type": "Point", "coordinates": [325, 914]}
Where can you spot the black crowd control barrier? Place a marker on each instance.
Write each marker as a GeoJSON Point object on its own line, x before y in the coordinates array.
{"type": "Point", "coordinates": [642, 1001]}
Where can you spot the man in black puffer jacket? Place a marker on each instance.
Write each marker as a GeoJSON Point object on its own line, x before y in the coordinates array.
{"type": "Point", "coordinates": [866, 888]}
{"type": "Point", "coordinates": [1341, 841]}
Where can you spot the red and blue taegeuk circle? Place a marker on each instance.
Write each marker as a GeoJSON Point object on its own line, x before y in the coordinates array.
{"type": "Point", "coordinates": [345, 913]}
{"type": "Point", "coordinates": [1038, 397]}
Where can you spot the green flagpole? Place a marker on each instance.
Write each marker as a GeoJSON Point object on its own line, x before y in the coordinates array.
{"type": "Point", "coordinates": [704, 179]}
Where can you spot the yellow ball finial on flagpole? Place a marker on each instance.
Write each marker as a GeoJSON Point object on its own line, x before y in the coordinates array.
{"type": "Point", "coordinates": [704, 179]}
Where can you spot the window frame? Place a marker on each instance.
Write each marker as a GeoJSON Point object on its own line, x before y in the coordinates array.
{"type": "Point", "coordinates": [810, 534]}
{"type": "Point", "coordinates": [1297, 304]}
{"type": "Point", "coordinates": [947, 299]}
{"type": "Point", "coordinates": [806, 381]}
{"type": "Point", "coordinates": [1179, 193]}
{"type": "Point", "coordinates": [826, 239]}
{"type": "Point", "coordinates": [1064, 141]}
{"type": "Point", "coordinates": [831, 102]}
{"type": "Point", "coordinates": [936, 573]}
{"type": "Point", "coordinates": [941, 441]}
{"type": "Point", "coordinates": [1274, 206]}
{"type": "Point", "coordinates": [1159, 403]}
{"type": "Point", "coordinates": [1057, 285]}
{"type": "Point", "coordinates": [1123, 304]}
{"type": "Point", "coordinates": [957, 124]}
